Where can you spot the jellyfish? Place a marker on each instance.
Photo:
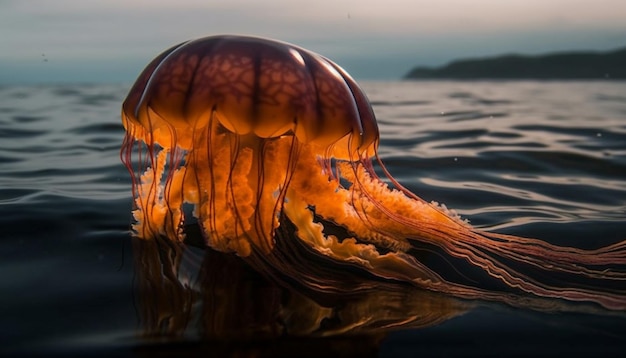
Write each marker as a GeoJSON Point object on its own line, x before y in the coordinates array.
{"type": "Point", "coordinates": [270, 151]}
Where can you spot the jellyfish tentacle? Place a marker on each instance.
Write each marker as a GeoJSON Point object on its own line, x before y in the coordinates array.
{"type": "Point", "coordinates": [483, 248]}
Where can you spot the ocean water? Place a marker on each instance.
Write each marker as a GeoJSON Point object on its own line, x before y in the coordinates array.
{"type": "Point", "coordinates": [536, 159]}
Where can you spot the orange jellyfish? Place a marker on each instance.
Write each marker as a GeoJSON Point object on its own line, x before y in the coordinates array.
{"type": "Point", "coordinates": [271, 151]}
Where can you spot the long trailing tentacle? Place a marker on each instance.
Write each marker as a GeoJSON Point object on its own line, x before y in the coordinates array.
{"type": "Point", "coordinates": [530, 265]}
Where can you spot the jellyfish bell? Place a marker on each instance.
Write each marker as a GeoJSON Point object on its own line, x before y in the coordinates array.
{"type": "Point", "coordinates": [272, 150]}
{"type": "Point", "coordinates": [250, 86]}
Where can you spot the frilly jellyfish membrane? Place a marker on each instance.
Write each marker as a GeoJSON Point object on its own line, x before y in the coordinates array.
{"type": "Point", "coordinates": [271, 150]}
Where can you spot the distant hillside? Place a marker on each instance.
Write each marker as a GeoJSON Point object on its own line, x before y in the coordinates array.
{"type": "Point", "coordinates": [566, 65]}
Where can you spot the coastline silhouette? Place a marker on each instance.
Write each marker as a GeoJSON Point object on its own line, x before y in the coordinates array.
{"type": "Point", "coordinates": [571, 65]}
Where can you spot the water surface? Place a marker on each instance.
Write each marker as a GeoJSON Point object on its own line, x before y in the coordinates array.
{"type": "Point", "coordinates": [538, 159]}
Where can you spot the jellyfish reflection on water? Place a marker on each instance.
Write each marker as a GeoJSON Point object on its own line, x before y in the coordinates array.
{"type": "Point", "coordinates": [272, 151]}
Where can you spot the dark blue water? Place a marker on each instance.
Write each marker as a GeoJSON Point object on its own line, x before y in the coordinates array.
{"type": "Point", "coordinates": [538, 159]}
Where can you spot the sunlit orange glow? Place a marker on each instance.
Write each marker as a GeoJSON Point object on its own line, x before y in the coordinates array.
{"type": "Point", "coordinates": [272, 151]}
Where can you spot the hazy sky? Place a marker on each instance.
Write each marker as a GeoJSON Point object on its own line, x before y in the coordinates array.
{"type": "Point", "coordinates": [112, 40]}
